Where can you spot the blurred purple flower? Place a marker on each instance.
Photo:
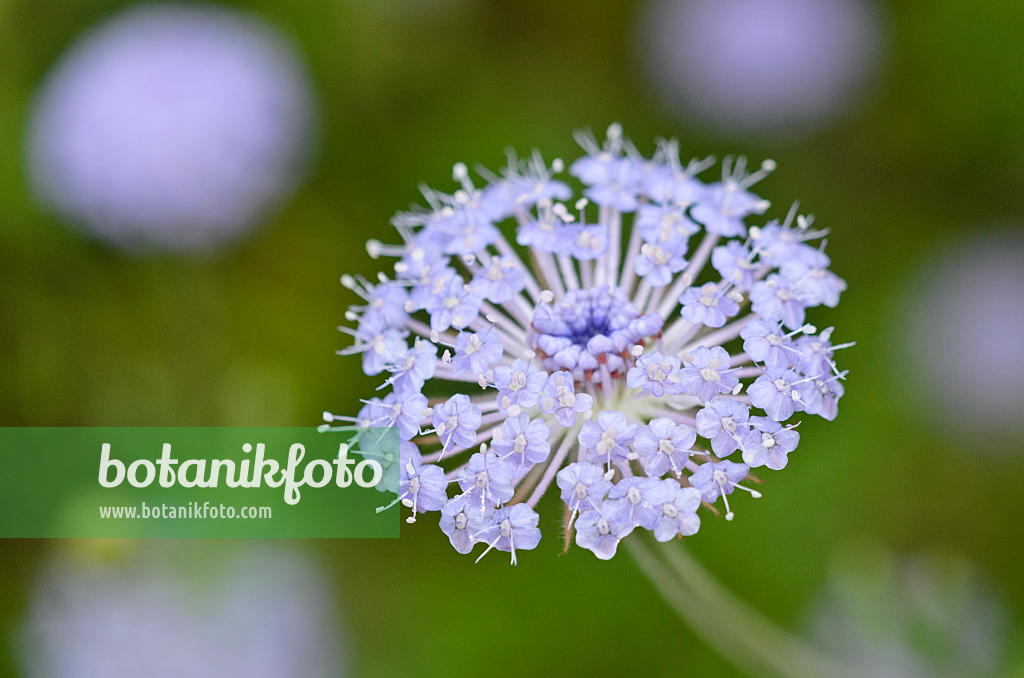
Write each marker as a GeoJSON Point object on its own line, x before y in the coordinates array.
{"type": "Point", "coordinates": [754, 66]}
{"type": "Point", "coordinates": [172, 127]}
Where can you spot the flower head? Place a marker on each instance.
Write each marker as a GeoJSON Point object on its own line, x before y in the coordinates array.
{"type": "Point", "coordinates": [617, 364]}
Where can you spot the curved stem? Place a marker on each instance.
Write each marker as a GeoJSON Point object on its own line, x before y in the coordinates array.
{"type": "Point", "coordinates": [738, 632]}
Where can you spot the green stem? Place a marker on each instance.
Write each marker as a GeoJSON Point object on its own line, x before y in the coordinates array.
{"type": "Point", "coordinates": [734, 629]}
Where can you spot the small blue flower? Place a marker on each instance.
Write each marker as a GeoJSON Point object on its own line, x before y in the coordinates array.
{"type": "Point", "coordinates": [559, 398]}
{"type": "Point", "coordinates": [779, 298]}
{"type": "Point", "coordinates": [816, 353]}
{"type": "Point", "coordinates": [584, 486]}
{"type": "Point", "coordinates": [776, 392]}
{"type": "Point", "coordinates": [599, 533]}
{"type": "Point", "coordinates": [406, 413]}
{"type": "Point", "coordinates": [660, 223]}
{"type": "Point", "coordinates": [768, 443]}
{"type": "Point", "coordinates": [500, 280]}
{"type": "Point", "coordinates": [706, 373]}
{"type": "Point", "coordinates": [659, 263]}
{"type": "Point", "coordinates": [721, 479]}
{"type": "Point", "coordinates": [822, 397]}
{"type": "Point", "coordinates": [724, 423]}
{"type": "Point", "coordinates": [655, 373]}
{"type": "Point", "coordinates": [456, 422]}
{"type": "Point", "coordinates": [380, 345]}
{"type": "Point", "coordinates": [523, 443]}
{"type": "Point", "coordinates": [455, 304]}
{"type": "Point", "coordinates": [637, 501]}
{"type": "Point", "coordinates": [664, 445]}
{"type": "Point", "coordinates": [476, 352]}
{"type": "Point", "coordinates": [486, 479]}
{"type": "Point", "coordinates": [519, 384]}
{"type": "Point", "coordinates": [708, 305]}
{"type": "Point", "coordinates": [679, 513]}
{"type": "Point", "coordinates": [735, 263]}
{"type": "Point", "coordinates": [726, 204]}
{"type": "Point", "coordinates": [421, 488]}
{"type": "Point", "coordinates": [545, 234]}
{"type": "Point", "coordinates": [766, 342]}
{"type": "Point", "coordinates": [607, 439]}
{"type": "Point", "coordinates": [461, 521]}
{"type": "Point", "coordinates": [511, 528]}
{"type": "Point", "coordinates": [413, 367]}
{"type": "Point", "coordinates": [585, 242]}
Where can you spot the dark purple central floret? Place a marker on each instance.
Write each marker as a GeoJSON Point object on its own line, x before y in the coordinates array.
{"type": "Point", "coordinates": [589, 327]}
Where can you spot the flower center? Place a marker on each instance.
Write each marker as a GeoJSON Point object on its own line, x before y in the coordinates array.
{"type": "Point", "coordinates": [607, 441]}
{"type": "Point", "coordinates": [519, 444]}
{"type": "Point", "coordinates": [566, 398]}
{"type": "Point", "coordinates": [710, 374]}
{"type": "Point", "coordinates": [588, 328]}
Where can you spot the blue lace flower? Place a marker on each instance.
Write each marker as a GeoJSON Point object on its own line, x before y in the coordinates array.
{"type": "Point", "coordinates": [603, 355]}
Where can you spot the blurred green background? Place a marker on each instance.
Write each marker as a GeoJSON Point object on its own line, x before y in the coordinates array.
{"type": "Point", "coordinates": [90, 336]}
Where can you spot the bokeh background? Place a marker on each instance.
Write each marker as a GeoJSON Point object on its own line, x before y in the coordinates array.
{"type": "Point", "coordinates": [894, 532]}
